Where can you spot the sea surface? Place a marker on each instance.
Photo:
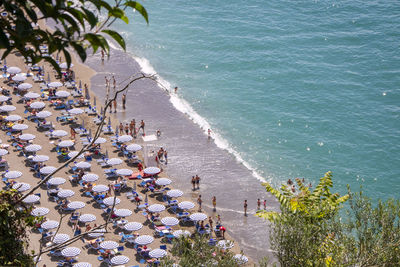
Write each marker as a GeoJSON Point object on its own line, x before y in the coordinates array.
{"type": "Point", "coordinates": [288, 88]}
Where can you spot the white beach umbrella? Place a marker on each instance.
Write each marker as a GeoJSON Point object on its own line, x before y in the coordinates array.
{"type": "Point", "coordinates": [7, 108]}
{"type": "Point", "coordinates": [49, 225]}
{"type": "Point", "coordinates": [47, 170]}
{"type": "Point", "coordinates": [74, 153]}
{"type": "Point", "coordinates": [66, 143]}
{"type": "Point", "coordinates": [75, 111]}
{"type": "Point", "coordinates": [40, 158]}
{"type": "Point", "coordinates": [70, 252]}
{"type": "Point", "coordinates": [75, 205]}
{"type": "Point", "coordinates": [31, 199]}
{"type": "Point", "coordinates": [65, 193]}
{"type": "Point", "coordinates": [114, 161]}
{"type": "Point", "coordinates": [85, 218]}
{"type": "Point", "coordinates": [124, 172]}
{"type": "Point", "coordinates": [82, 264]}
{"type": "Point", "coordinates": [90, 177]}
{"type": "Point", "coordinates": [156, 208]}
{"type": "Point", "coordinates": [3, 152]}
{"type": "Point", "coordinates": [179, 233]}
{"type": "Point", "coordinates": [13, 118]}
{"type": "Point", "coordinates": [4, 98]}
{"type": "Point", "coordinates": [64, 65]}
{"type": "Point", "coordinates": [97, 233]}
{"type": "Point", "coordinates": [62, 94]}
{"type": "Point", "coordinates": [13, 70]}
{"type": "Point", "coordinates": [21, 187]}
{"type": "Point", "coordinates": [40, 211]}
{"type": "Point", "coordinates": [31, 95]}
{"type": "Point", "coordinates": [174, 193]}
{"type": "Point", "coordinates": [55, 84]}
{"type": "Point", "coordinates": [24, 86]}
{"type": "Point", "coordinates": [186, 205]}
{"type": "Point", "coordinates": [19, 127]}
{"type": "Point", "coordinates": [56, 181]}
{"type": "Point", "coordinates": [152, 170]}
{"type": "Point", "coordinates": [240, 259]}
{"type": "Point", "coordinates": [27, 137]}
{"type": "Point", "coordinates": [59, 133]}
{"type": "Point", "coordinates": [100, 188]}
{"type": "Point", "coordinates": [19, 78]}
{"type": "Point", "coordinates": [123, 212]}
{"type": "Point", "coordinates": [198, 216]}
{"type": "Point", "coordinates": [144, 240]}
{"type": "Point", "coordinates": [37, 105]}
{"type": "Point", "coordinates": [83, 165]}
{"type": "Point", "coordinates": [225, 244]}
{"type": "Point", "coordinates": [133, 226]}
{"type": "Point", "coordinates": [33, 148]}
{"type": "Point", "coordinates": [110, 201]}
{"type": "Point", "coordinates": [169, 221]}
{"type": "Point", "coordinates": [124, 138]}
{"type": "Point", "coordinates": [163, 181]}
{"type": "Point", "coordinates": [158, 253]}
{"type": "Point", "coordinates": [100, 140]}
{"type": "Point", "coordinates": [13, 174]}
{"type": "Point", "coordinates": [119, 260]}
{"type": "Point", "coordinates": [133, 147]}
{"type": "Point", "coordinates": [43, 114]}
{"type": "Point", "coordinates": [109, 245]}
{"type": "Point", "coordinates": [60, 238]}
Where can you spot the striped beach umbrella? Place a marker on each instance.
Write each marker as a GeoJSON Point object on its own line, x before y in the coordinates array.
{"type": "Point", "coordinates": [40, 211]}
{"type": "Point", "coordinates": [133, 226]}
{"type": "Point", "coordinates": [110, 201]}
{"type": "Point", "coordinates": [179, 233]}
{"type": "Point", "coordinates": [144, 240]}
{"type": "Point", "coordinates": [198, 216]}
{"type": "Point", "coordinates": [156, 208]}
{"type": "Point", "coordinates": [75, 111]}
{"type": "Point", "coordinates": [174, 193]}
{"type": "Point", "coordinates": [82, 264]}
{"type": "Point", "coordinates": [70, 252]}
{"type": "Point", "coordinates": [33, 148]}
{"type": "Point", "coordinates": [21, 187]}
{"type": "Point", "coordinates": [19, 78]}
{"type": "Point", "coordinates": [7, 108]}
{"type": "Point", "coordinates": [13, 70]}
{"type": "Point", "coordinates": [114, 161]}
{"type": "Point", "coordinates": [19, 127]}
{"type": "Point", "coordinates": [60, 238]}
{"type": "Point", "coordinates": [27, 137]}
{"type": "Point", "coordinates": [74, 153]}
{"type": "Point", "coordinates": [56, 181]}
{"type": "Point", "coordinates": [12, 174]}
{"type": "Point", "coordinates": [124, 172]}
{"type": "Point", "coordinates": [65, 193]}
{"type": "Point", "coordinates": [31, 199]}
{"type": "Point", "coordinates": [163, 181]}
{"type": "Point", "coordinates": [64, 65]}
{"type": "Point", "coordinates": [123, 212]}
{"type": "Point", "coordinates": [100, 140]}
{"type": "Point", "coordinates": [3, 152]}
{"type": "Point", "coordinates": [31, 95]}
{"type": "Point", "coordinates": [13, 118]}
{"type": "Point", "coordinates": [47, 170]}
{"type": "Point", "coordinates": [100, 188]}
{"type": "Point", "coordinates": [66, 143]}
{"type": "Point", "coordinates": [186, 205]}
{"type": "Point", "coordinates": [83, 165]}
{"type": "Point", "coordinates": [108, 245]}
{"type": "Point", "coordinates": [133, 147]}
{"type": "Point", "coordinates": [170, 221]}
{"type": "Point", "coordinates": [152, 170]}
{"type": "Point", "coordinates": [49, 225]}
{"type": "Point", "coordinates": [37, 105]}
{"type": "Point", "coordinates": [62, 94]}
{"type": "Point", "coordinates": [24, 86]}
{"type": "Point", "coordinates": [4, 98]}
{"type": "Point", "coordinates": [55, 84]}
{"type": "Point", "coordinates": [85, 218]}
{"type": "Point", "coordinates": [157, 253]}
{"type": "Point", "coordinates": [90, 177]}
{"type": "Point", "coordinates": [124, 138]}
{"type": "Point", "coordinates": [59, 133]}
{"type": "Point", "coordinates": [44, 114]}
{"type": "Point", "coordinates": [40, 158]}
{"type": "Point", "coordinates": [76, 205]}
{"type": "Point", "coordinates": [97, 233]}
{"type": "Point", "coordinates": [119, 260]}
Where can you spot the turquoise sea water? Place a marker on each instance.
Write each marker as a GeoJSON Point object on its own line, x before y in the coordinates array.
{"type": "Point", "coordinates": [291, 88]}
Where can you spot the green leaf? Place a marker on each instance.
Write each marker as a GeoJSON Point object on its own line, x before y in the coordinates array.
{"type": "Point", "coordinates": [91, 18]}
{"type": "Point", "coordinates": [118, 13]}
{"type": "Point", "coordinates": [80, 50]}
{"type": "Point", "coordinates": [135, 5]}
{"type": "Point", "coordinates": [117, 37]}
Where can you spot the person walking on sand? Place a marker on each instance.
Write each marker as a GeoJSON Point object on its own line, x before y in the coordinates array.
{"type": "Point", "coordinates": [214, 203]}
{"type": "Point", "coordinates": [245, 207]}
{"type": "Point", "coordinates": [121, 128]}
{"type": "Point", "coordinates": [166, 157]}
{"type": "Point", "coordinates": [265, 204]}
{"type": "Point", "coordinates": [131, 126]}
{"type": "Point", "coordinates": [197, 181]}
{"type": "Point", "coordinates": [142, 127]}
{"type": "Point", "coordinates": [123, 101]}
{"type": "Point", "coordinates": [126, 128]}
{"type": "Point", "coordinates": [258, 204]}
{"type": "Point", "coordinates": [115, 105]}
{"type": "Point", "coordinates": [199, 201]}
{"type": "Point", "coordinates": [73, 133]}
{"type": "Point", "coordinates": [194, 183]}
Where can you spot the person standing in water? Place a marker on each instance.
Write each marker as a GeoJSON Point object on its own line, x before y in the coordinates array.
{"type": "Point", "coordinates": [176, 89]}
{"type": "Point", "coordinates": [142, 126]}
{"type": "Point", "coordinates": [258, 204]}
{"type": "Point", "coordinates": [245, 207]}
{"type": "Point", "coordinates": [214, 202]}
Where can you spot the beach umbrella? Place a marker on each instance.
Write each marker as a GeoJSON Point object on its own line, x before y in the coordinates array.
{"type": "Point", "coordinates": [123, 212]}
{"type": "Point", "coordinates": [74, 205]}
{"type": "Point", "coordinates": [12, 174]}
{"type": "Point", "coordinates": [179, 233]}
{"type": "Point", "coordinates": [24, 86]}
{"type": "Point", "coordinates": [70, 252]}
{"type": "Point", "coordinates": [90, 177]}
{"type": "Point", "coordinates": [20, 127]}
{"type": "Point", "coordinates": [163, 181]}
{"type": "Point", "coordinates": [33, 148]}
{"type": "Point", "coordinates": [66, 143]}
{"type": "Point", "coordinates": [43, 114]}
{"type": "Point", "coordinates": [152, 170]}
{"type": "Point", "coordinates": [21, 187]}
{"type": "Point", "coordinates": [100, 188]}
{"type": "Point", "coordinates": [62, 94]}
{"type": "Point", "coordinates": [97, 233]}
{"type": "Point", "coordinates": [157, 253]}
{"type": "Point", "coordinates": [4, 98]}
{"type": "Point", "coordinates": [186, 205]}
{"type": "Point", "coordinates": [74, 153]}
{"type": "Point", "coordinates": [65, 193]}
{"type": "Point", "coordinates": [59, 133]}
{"type": "Point", "coordinates": [114, 161]}
{"type": "Point", "coordinates": [75, 111]}
{"type": "Point", "coordinates": [31, 95]}
{"type": "Point", "coordinates": [109, 245]}
{"type": "Point", "coordinates": [174, 193]}
{"type": "Point", "coordinates": [133, 226]}
{"type": "Point", "coordinates": [144, 240]}
{"type": "Point", "coordinates": [47, 170]}
{"type": "Point", "coordinates": [13, 118]}
{"type": "Point", "coordinates": [124, 138]}
{"type": "Point", "coordinates": [60, 238]}
{"type": "Point", "coordinates": [64, 65]}
{"type": "Point", "coordinates": [83, 165]}
{"type": "Point", "coordinates": [31, 199]}
{"type": "Point", "coordinates": [87, 95]}
{"type": "Point", "coordinates": [3, 152]}
{"type": "Point", "coordinates": [56, 181]}
{"type": "Point", "coordinates": [198, 216]}
{"type": "Point", "coordinates": [100, 140]}
{"type": "Point", "coordinates": [119, 260]}
{"type": "Point", "coordinates": [55, 84]}
{"type": "Point", "coordinates": [40, 158]}
{"type": "Point", "coordinates": [19, 78]}
{"type": "Point", "coordinates": [49, 225]}
{"type": "Point", "coordinates": [156, 208]}
{"type": "Point", "coordinates": [225, 244]}
{"type": "Point", "coordinates": [110, 201]}
{"type": "Point", "coordinates": [7, 108]}
{"type": "Point", "coordinates": [13, 70]}
{"type": "Point", "coordinates": [85, 218]}
{"type": "Point", "coordinates": [169, 221]}
{"type": "Point", "coordinates": [40, 211]}
{"type": "Point", "coordinates": [240, 259]}
{"type": "Point", "coordinates": [27, 137]}
{"type": "Point", "coordinates": [133, 147]}
{"type": "Point", "coordinates": [124, 172]}
{"type": "Point", "coordinates": [82, 264]}
{"type": "Point", "coordinates": [37, 105]}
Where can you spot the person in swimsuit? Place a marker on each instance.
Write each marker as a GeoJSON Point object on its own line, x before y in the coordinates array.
{"type": "Point", "coordinates": [123, 101]}
{"type": "Point", "coordinates": [245, 207]}
{"type": "Point", "coordinates": [199, 201]}
{"type": "Point", "coordinates": [197, 181]}
{"type": "Point", "coordinates": [214, 203]}
{"type": "Point", "coordinates": [258, 204]}
{"type": "Point", "coordinates": [265, 204]}
{"type": "Point", "coordinates": [142, 126]}
{"type": "Point", "coordinates": [126, 128]}
{"type": "Point", "coordinates": [121, 128]}
{"type": "Point", "coordinates": [194, 183]}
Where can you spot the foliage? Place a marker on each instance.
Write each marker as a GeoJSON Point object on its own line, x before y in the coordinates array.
{"type": "Point", "coordinates": [79, 26]}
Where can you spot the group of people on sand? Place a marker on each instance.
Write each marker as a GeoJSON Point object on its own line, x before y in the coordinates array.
{"type": "Point", "coordinates": [130, 129]}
